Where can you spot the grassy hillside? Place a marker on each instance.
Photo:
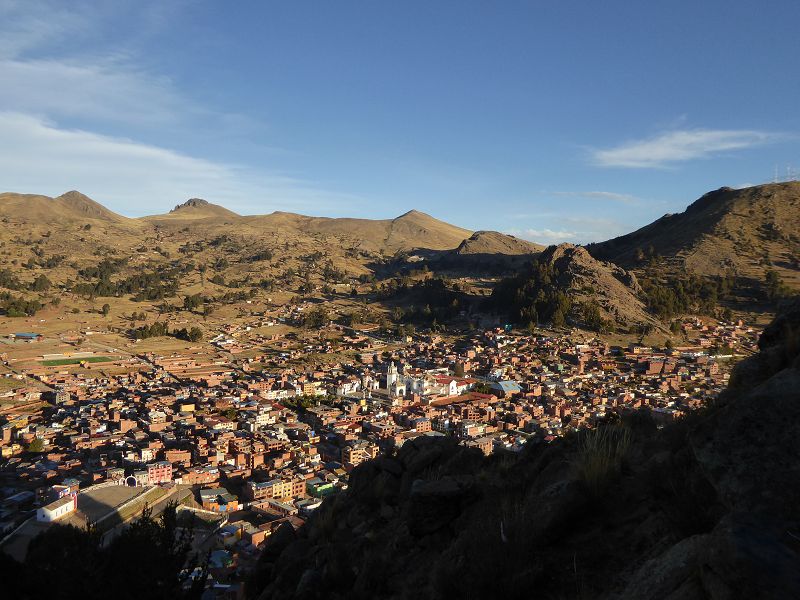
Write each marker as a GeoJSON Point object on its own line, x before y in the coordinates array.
{"type": "Point", "coordinates": [745, 232]}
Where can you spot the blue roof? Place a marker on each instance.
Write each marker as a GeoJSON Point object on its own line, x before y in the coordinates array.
{"type": "Point", "coordinates": [507, 386]}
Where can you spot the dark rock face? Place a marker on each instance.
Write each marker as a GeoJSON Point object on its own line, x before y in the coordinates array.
{"type": "Point", "coordinates": [706, 508]}
{"type": "Point", "coordinates": [191, 203]}
{"type": "Point", "coordinates": [433, 505]}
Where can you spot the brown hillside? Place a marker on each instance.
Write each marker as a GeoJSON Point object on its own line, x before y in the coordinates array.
{"type": "Point", "coordinates": [412, 230]}
{"type": "Point", "coordinates": [493, 242]}
{"type": "Point", "coordinates": [80, 204]}
{"type": "Point", "coordinates": [745, 231]}
{"type": "Point", "coordinates": [67, 209]}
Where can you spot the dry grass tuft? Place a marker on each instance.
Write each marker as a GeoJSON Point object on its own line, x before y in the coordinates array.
{"type": "Point", "coordinates": [600, 454]}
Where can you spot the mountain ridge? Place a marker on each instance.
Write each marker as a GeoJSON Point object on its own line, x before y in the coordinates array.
{"type": "Point", "coordinates": [741, 231]}
{"type": "Point", "coordinates": [410, 230]}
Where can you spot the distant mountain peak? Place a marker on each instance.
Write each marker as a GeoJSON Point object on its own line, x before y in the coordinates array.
{"type": "Point", "coordinates": [81, 204]}
{"type": "Point", "coordinates": [192, 203]}
{"type": "Point", "coordinates": [413, 213]}
{"type": "Point", "coordinates": [73, 194]}
{"type": "Point", "coordinates": [197, 208]}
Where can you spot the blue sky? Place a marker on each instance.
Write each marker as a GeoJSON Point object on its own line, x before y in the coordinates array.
{"type": "Point", "coordinates": [555, 121]}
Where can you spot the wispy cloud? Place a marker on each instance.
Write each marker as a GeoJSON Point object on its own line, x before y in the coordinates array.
{"type": "Point", "coordinates": [44, 72]}
{"type": "Point", "coordinates": [545, 236]}
{"type": "Point", "coordinates": [676, 146]}
{"type": "Point", "coordinates": [135, 178]}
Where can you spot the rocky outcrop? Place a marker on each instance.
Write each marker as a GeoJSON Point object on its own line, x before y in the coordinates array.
{"type": "Point", "coordinates": [598, 295]}
{"type": "Point", "coordinates": [705, 508]}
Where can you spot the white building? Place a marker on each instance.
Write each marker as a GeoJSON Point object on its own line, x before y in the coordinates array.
{"type": "Point", "coordinates": [59, 508]}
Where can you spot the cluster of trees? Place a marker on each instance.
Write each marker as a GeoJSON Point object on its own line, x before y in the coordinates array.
{"type": "Point", "coordinates": [267, 284]}
{"type": "Point", "coordinates": [156, 285]}
{"type": "Point", "coordinates": [41, 284]}
{"type": "Point", "coordinates": [9, 280]}
{"type": "Point", "coordinates": [533, 296]}
{"type": "Point", "coordinates": [193, 302]}
{"type": "Point", "coordinates": [360, 316]}
{"type": "Point", "coordinates": [315, 318]}
{"type": "Point", "coordinates": [332, 274]}
{"type": "Point", "coordinates": [15, 306]}
{"type": "Point", "coordinates": [150, 558]}
{"type": "Point", "coordinates": [443, 301]}
{"type": "Point", "coordinates": [592, 317]}
{"type": "Point", "coordinates": [159, 329]}
{"type": "Point", "coordinates": [195, 334]}
{"type": "Point", "coordinates": [104, 269]}
{"type": "Point", "coordinates": [300, 403]}
{"type": "Point", "coordinates": [51, 262]}
{"type": "Point", "coordinates": [678, 295]}
{"type": "Point", "coordinates": [774, 287]}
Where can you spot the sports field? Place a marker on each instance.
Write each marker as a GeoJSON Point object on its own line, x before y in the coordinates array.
{"type": "Point", "coordinates": [75, 361]}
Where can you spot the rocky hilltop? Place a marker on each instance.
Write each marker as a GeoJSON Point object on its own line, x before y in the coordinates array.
{"type": "Point", "coordinates": [705, 508]}
{"type": "Point", "coordinates": [565, 284]}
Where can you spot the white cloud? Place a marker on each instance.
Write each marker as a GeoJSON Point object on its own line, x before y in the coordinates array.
{"type": "Point", "coordinates": [134, 178]}
{"type": "Point", "coordinates": [678, 146]}
{"type": "Point", "coordinates": [566, 227]}
{"type": "Point", "coordinates": [544, 236]}
{"type": "Point", "coordinates": [108, 92]}
{"type": "Point", "coordinates": [56, 60]}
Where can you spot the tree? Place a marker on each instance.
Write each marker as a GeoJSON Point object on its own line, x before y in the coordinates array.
{"type": "Point", "coordinates": [36, 445]}
{"type": "Point", "coordinates": [150, 558]}
{"type": "Point", "coordinates": [316, 317]}
{"type": "Point", "coordinates": [775, 287]}
{"type": "Point", "coordinates": [192, 302]}
{"type": "Point", "coordinates": [41, 284]}
{"type": "Point", "coordinates": [106, 309]}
